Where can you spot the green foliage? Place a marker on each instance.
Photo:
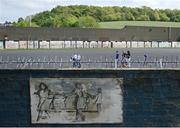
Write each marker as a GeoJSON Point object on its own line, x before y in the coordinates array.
{"type": "Point", "coordinates": [73, 16]}
{"type": "Point", "coordinates": [70, 21]}
{"type": "Point", "coordinates": [164, 17]}
{"type": "Point", "coordinates": [143, 18]}
{"type": "Point", "coordinates": [43, 19]}
{"type": "Point", "coordinates": [23, 23]}
{"type": "Point", "coordinates": [129, 17]}
{"type": "Point", "coordinates": [87, 21]}
{"type": "Point", "coordinates": [20, 19]}
{"type": "Point", "coordinates": [154, 16]}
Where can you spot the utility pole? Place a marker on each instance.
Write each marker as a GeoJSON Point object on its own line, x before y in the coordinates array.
{"type": "Point", "coordinates": [30, 21]}
{"type": "Point", "coordinates": [169, 33]}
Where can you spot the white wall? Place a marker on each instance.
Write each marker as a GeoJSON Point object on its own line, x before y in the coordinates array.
{"type": "Point", "coordinates": [11, 44]}
{"type": "Point", "coordinates": [1, 44]}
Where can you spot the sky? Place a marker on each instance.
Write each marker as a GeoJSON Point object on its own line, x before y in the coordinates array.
{"type": "Point", "coordinates": [11, 10]}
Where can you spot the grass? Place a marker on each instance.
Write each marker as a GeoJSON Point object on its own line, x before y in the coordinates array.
{"type": "Point", "coordinates": [121, 24]}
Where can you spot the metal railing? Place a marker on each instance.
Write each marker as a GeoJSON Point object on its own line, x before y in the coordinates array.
{"type": "Point", "coordinates": [59, 63]}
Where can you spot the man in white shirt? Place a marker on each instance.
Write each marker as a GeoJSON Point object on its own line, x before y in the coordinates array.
{"type": "Point", "coordinates": [74, 60]}
{"type": "Point", "coordinates": [78, 60]}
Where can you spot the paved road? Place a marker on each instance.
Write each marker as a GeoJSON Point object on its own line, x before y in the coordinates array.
{"type": "Point", "coordinates": [94, 53]}
{"type": "Point", "coordinates": [167, 54]}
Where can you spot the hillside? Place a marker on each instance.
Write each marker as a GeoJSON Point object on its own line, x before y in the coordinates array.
{"type": "Point", "coordinates": [90, 16]}
{"type": "Point", "coordinates": [121, 24]}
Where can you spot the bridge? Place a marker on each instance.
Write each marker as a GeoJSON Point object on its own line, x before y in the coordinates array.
{"type": "Point", "coordinates": [136, 96]}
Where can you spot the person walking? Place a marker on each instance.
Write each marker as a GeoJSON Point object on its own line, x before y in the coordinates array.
{"type": "Point", "coordinates": [123, 61]}
{"type": "Point", "coordinates": [78, 60]}
{"type": "Point", "coordinates": [128, 59]}
{"type": "Point", "coordinates": [145, 60]}
{"type": "Point", "coordinates": [74, 60]}
{"type": "Point", "coordinates": [116, 59]}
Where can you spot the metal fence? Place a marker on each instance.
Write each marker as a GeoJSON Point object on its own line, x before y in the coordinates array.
{"type": "Point", "coordinates": [56, 62]}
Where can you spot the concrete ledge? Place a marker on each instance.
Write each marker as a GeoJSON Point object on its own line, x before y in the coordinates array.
{"type": "Point", "coordinates": [95, 69]}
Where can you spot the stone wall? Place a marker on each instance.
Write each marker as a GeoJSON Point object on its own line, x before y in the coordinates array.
{"type": "Point", "coordinates": [128, 33]}
{"type": "Point", "coordinates": [150, 97]}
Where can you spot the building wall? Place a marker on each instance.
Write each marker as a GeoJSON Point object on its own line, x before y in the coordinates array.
{"type": "Point", "coordinates": [150, 97]}
{"type": "Point", "coordinates": [128, 33]}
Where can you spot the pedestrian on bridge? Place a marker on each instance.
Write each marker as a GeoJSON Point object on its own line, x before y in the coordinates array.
{"type": "Point", "coordinates": [78, 60]}
{"type": "Point", "coordinates": [116, 59]}
{"type": "Point", "coordinates": [128, 59]}
{"type": "Point", "coordinates": [145, 60]}
{"type": "Point", "coordinates": [74, 60]}
{"type": "Point", "coordinates": [123, 60]}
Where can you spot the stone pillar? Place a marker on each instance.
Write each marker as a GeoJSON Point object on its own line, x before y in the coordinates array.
{"type": "Point", "coordinates": [49, 44]}
{"type": "Point", "coordinates": [144, 44]}
{"type": "Point", "coordinates": [130, 44]}
{"type": "Point", "coordinates": [89, 44]}
{"type": "Point", "coordinates": [137, 44]}
{"type": "Point", "coordinates": [76, 44]}
{"type": "Point", "coordinates": [151, 44]}
{"type": "Point", "coordinates": [70, 44]}
{"type": "Point", "coordinates": [18, 45]}
{"type": "Point", "coordinates": [171, 44]}
{"type": "Point", "coordinates": [4, 44]}
{"type": "Point", "coordinates": [27, 44]}
{"type": "Point", "coordinates": [101, 44]}
{"type": "Point", "coordinates": [111, 44]}
{"type": "Point", "coordinates": [83, 44]}
{"type": "Point", "coordinates": [158, 44]}
{"type": "Point", "coordinates": [38, 44]}
{"type": "Point", "coordinates": [64, 44]}
{"type": "Point", "coordinates": [33, 44]}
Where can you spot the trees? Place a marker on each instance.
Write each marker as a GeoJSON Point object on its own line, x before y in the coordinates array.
{"type": "Point", "coordinates": [143, 18]}
{"type": "Point", "coordinates": [24, 23]}
{"type": "Point", "coordinates": [87, 21]}
{"type": "Point", "coordinates": [78, 15]}
{"type": "Point", "coordinates": [20, 19]}
{"type": "Point", "coordinates": [69, 21]}
{"type": "Point", "coordinates": [43, 19]}
{"type": "Point", "coordinates": [163, 17]}
{"type": "Point", "coordinates": [129, 16]}
{"type": "Point", "coordinates": [154, 16]}
{"type": "Point", "coordinates": [56, 22]}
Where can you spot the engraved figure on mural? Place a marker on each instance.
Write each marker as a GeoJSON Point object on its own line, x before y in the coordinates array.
{"type": "Point", "coordinates": [78, 102]}
{"type": "Point", "coordinates": [74, 100]}
{"type": "Point", "coordinates": [98, 100]}
{"type": "Point", "coordinates": [43, 105]}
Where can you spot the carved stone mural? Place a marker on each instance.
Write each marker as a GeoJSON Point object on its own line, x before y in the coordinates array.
{"type": "Point", "coordinates": [76, 100]}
